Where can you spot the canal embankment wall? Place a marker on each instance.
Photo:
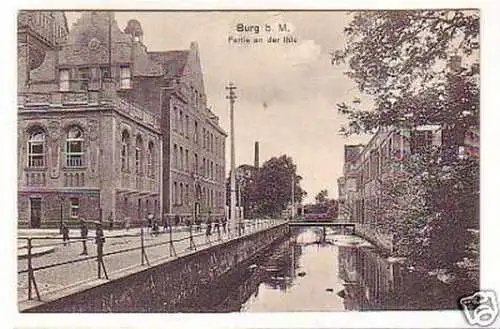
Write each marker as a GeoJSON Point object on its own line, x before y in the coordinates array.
{"type": "Point", "coordinates": [382, 241]}
{"type": "Point", "coordinates": [163, 285]}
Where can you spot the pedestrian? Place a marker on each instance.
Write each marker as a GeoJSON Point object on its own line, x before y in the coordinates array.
{"type": "Point", "coordinates": [224, 223]}
{"type": "Point", "coordinates": [149, 218]}
{"type": "Point", "coordinates": [208, 232]}
{"type": "Point", "coordinates": [110, 221]}
{"type": "Point", "coordinates": [127, 223]}
{"type": "Point", "coordinates": [156, 228]}
{"type": "Point", "coordinates": [65, 233]}
{"type": "Point", "coordinates": [217, 227]}
{"type": "Point", "coordinates": [165, 224]}
{"type": "Point", "coordinates": [84, 232]}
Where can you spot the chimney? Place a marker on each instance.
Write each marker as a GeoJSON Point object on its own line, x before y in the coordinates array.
{"type": "Point", "coordinates": [256, 164]}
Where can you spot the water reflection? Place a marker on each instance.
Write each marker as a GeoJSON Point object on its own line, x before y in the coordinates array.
{"type": "Point", "coordinates": [317, 270]}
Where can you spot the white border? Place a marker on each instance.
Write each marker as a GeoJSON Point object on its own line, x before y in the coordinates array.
{"type": "Point", "coordinates": [490, 109]}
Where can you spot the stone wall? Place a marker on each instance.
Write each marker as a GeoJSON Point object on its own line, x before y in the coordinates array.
{"type": "Point", "coordinates": [369, 232]}
{"type": "Point", "coordinates": [160, 288]}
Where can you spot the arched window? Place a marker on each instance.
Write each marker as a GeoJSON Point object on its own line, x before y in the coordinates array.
{"type": "Point", "coordinates": [181, 158]}
{"type": "Point", "coordinates": [74, 148]}
{"type": "Point", "coordinates": [36, 147]}
{"type": "Point", "coordinates": [175, 193]}
{"type": "Point", "coordinates": [138, 154]}
{"type": "Point", "coordinates": [175, 157]}
{"type": "Point", "coordinates": [181, 192]}
{"type": "Point", "coordinates": [124, 155]}
{"type": "Point", "coordinates": [151, 160]}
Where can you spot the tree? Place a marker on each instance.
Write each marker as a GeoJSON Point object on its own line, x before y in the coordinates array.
{"type": "Point", "coordinates": [398, 57]}
{"type": "Point", "coordinates": [420, 68]}
{"type": "Point", "coordinates": [274, 186]}
{"type": "Point", "coordinates": [322, 196]}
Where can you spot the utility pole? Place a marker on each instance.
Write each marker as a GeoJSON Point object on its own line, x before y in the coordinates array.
{"type": "Point", "coordinates": [232, 209]}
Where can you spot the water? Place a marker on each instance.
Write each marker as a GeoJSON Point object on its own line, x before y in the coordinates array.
{"type": "Point", "coordinates": [311, 271]}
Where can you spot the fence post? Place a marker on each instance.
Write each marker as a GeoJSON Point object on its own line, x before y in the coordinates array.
{"type": "Point", "coordinates": [30, 270]}
{"type": "Point", "coordinates": [144, 256]}
{"type": "Point", "coordinates": [171, 244]}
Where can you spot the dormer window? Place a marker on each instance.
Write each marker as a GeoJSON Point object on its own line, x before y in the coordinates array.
{"type": "Point", "coordinates": [125, 77]}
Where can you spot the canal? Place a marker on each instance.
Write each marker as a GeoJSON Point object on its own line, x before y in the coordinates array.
{"type": "Point", "coordinates": [313, 271]}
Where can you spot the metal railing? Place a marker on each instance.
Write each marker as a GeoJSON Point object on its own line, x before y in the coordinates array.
{"type": "Point", "coordinates": [217, 234]}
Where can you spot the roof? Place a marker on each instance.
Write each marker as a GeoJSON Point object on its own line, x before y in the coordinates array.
{"type": "Point", "coordinates": [173, 61]}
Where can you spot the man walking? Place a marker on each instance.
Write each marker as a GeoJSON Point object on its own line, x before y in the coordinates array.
{"type": "Point", "coordinates": [84, 232]}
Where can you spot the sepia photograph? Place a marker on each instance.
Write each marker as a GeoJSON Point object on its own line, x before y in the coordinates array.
{"type": "Point", "coordinates": [219, 161]}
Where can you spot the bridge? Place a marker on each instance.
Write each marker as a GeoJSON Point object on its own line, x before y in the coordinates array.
{"type": "Point", "coordinates": [136, 270]}
{"type": "Point", "coordinates": [323, 224]}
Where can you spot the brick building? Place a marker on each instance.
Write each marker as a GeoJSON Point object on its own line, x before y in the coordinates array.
{"type": "Point", "coordinates": [99, 119]}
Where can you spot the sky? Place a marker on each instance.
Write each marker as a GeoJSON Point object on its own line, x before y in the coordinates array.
{"type": "Point", "coordinates": [287, 92]}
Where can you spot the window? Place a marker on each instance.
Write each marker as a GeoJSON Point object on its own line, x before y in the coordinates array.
{"type": "Point", "coordinates": [138, 154]}
{"type": "Point", "coordinates": [83, 77]}
{"type": "Point", "coordinates": [181, 193]}
{"type": "Point", "coordinates": [196, 132]}
{"type": "Point", "coordinates": [420, 140]}
{"type": "Point", "coordinates": [181, 158]}
{"type": "Point", "coordinates": [187, 127]}
{"type": "Point", "coordinates": [95, 78]}
{"type": "Point", "coordinates": [175, 193]}
{"type": "Point", "coordinates": [204, 169]}
{"type": "Point", "coordinates": [36, 147]}
{"type": "Point", "coordinates": [204, 138]}
{"type": "Point", "coordinates": [74, 148]}
{"type": "Point", "coordinates": [187, 160]}
{"type": "Point", "coordinates": [125, 150]}
{"type": "Point", "coordinates": [186, 193]}
{"type": "Point", "coordinates": [175, 157]}
{"type": "Point", "coordinates": [174, 119]}
{"type": "Point", "coordinates": [74, 207]}
{"type": "Point", "coordinates": [125, 77]}
{"type": "Point", "coordinates": [151, 172]}
{"type": "Point", "coordinates": [181, 123]}
{"type": "Point", "coordinates": [105, 72]}
{"type": "Point", "coordinates": [196, 165]}
{"type": "Point", "coordinates": [64, 80]}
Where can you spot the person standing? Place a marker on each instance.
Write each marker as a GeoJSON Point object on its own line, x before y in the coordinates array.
{"type": "Point", "coordinates": [224, 223]}
{"type": "Point", "coordinates": [110, 221]}
{"type": "Point", "coordinates": [84, 232]}
{"type": "Point", "coordinates": [65, 233]}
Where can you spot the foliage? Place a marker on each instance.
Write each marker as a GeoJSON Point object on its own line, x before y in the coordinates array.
{"type": "Point", "coordinates": [266, 191]}
{"type": "Point", "coordinates": [322, 196]}
{"type": "Point", "coordinates": [420, 68]}
{"type": "Point", "coordinates": [429, 207]}
{"type": "Point", "coordinates": [399, 58]}
{"type": "Point", "coordinates": [274, 185]}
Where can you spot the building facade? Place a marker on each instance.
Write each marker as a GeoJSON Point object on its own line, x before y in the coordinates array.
{"type": "Point", "coordinates": [95, 110]}
{"type": "Point", "coordinates": [193, 142]}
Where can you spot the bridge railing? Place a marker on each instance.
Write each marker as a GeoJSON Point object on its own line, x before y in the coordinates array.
{"type": "Point", "coordinates": [191, 240]}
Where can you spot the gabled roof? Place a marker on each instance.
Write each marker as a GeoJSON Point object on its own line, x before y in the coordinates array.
{"type": "Point", "coordinates": [173, 62]}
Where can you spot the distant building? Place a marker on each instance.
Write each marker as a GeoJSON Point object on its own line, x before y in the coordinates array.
{"type": "Point", "coordinates": [107, 128]}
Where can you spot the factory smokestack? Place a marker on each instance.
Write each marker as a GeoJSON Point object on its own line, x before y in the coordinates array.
{"type": "Point", "coordinates": [256, 156]}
